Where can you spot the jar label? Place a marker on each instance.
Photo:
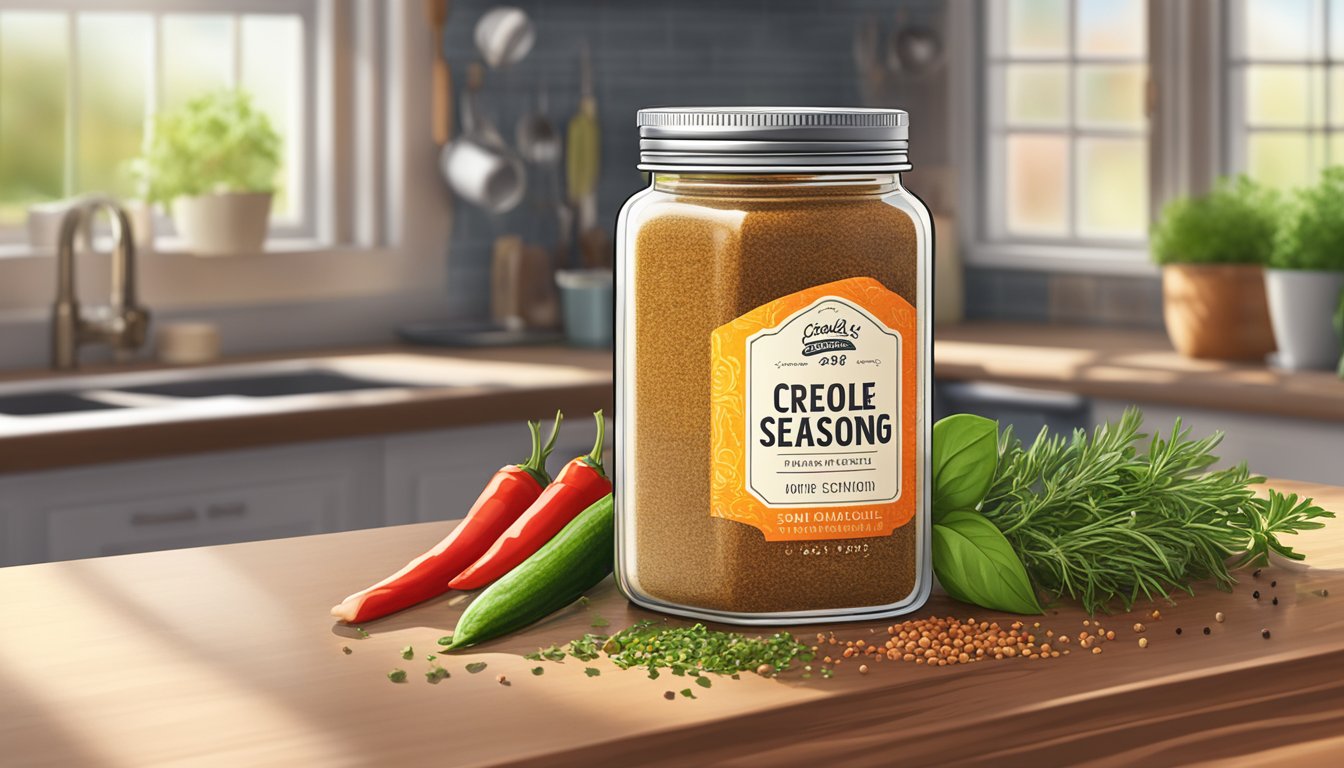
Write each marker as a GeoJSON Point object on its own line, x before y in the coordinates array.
{"type": "Point", "coordinates": [813, 417]}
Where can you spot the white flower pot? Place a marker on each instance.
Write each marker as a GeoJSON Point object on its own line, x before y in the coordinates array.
{"type": "Point", "coordinates": [223, 223]}
{"type": "Point", "coordinates": [1302, 305]}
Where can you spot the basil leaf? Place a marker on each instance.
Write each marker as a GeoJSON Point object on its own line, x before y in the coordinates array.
{"type": "Point", "coordinates": [976, 564]}
{"type": "Point", "coordinates": [965, 453]}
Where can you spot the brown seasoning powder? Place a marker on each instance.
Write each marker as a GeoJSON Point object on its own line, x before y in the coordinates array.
{"type": "Point", "coordinates": [702, 260]}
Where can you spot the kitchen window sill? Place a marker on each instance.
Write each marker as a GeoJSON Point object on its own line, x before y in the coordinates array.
{"type": "Point", "coordinates": [175, 246]}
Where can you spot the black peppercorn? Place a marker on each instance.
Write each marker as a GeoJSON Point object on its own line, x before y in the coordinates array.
{"type": "Point", "coordinates": [1178, 630]}
{"type": "Point", "coordinates": [1206, 630]}
{"type": "Point", "coordinates": [1264, 633]}
{"type": "Point", "coordinates": [1276, 601]}
{"type": "Point", "coordinates": [1256, 573]}
{"type": "Point", "coordinates": [1274, 583]}
{"type": "Point", "coordinates": [1256, 594]}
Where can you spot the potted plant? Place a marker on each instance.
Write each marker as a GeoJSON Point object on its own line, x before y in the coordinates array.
{"type": "Point", "coordinates": [1306, 274]}
{"type": "Point", "coordinates": [1212, 250]}
{"type": "Point", "coordinates": [213, 163]}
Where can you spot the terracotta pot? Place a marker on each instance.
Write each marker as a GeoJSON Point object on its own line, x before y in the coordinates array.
{"type": "Point", "coordinates": [1217, 311]}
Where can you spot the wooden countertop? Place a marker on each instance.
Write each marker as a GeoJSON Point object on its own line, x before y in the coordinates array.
{"type": "Point", "coordinates": [502, 384]}
{"type": "Point", "coordinates": [1137, 366]}
{"type": "Point", "coordinates": [226, 655]}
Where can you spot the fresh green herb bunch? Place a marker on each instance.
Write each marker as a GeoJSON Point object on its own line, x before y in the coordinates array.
{"type": "Point", "coordinates": [218, 142]}
{"type": "Point", "coordinates": [1099, 517]}
{"type": "Point", "coordinates": [1312, 234]}
{"type": "Point", "coordinates": [1233, 224]}
{"type": "Point", "coordinates": [696, 649]}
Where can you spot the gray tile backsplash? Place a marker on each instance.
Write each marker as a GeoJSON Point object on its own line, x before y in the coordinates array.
{"type": "Point", "coordinates": [690, 52]}
{"type": "Point", "coordinates": [1044, 297]}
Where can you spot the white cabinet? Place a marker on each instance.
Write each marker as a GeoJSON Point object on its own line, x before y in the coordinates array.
{"type": "Point", "coordinates": [438, 475]}
{"type": "Point", "coordinates": [1273, 446]}
{"type": "Point", "coordinates": [216, 498]}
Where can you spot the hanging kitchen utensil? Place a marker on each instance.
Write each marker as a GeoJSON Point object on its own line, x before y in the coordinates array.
{"type": "Point", "coordinates": [504, 35]}
{"type": "Point", "coordinates": [478, 165]}
{"type": "Point", "coordinates": [583, 148]}
{"type": "Point", "coordinates": [441, 80]}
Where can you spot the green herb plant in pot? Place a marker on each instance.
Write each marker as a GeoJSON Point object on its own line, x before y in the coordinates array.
{"type": "Point", "coordinates": [1306, 273]}
{"type": "Point", "coordinates": [1212, 250]}
{"type": "Point", "coordinates": [213, 162]}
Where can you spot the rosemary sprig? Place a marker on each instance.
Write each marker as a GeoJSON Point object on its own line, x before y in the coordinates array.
{"type": "Point", "coordinates": [1098, 517]}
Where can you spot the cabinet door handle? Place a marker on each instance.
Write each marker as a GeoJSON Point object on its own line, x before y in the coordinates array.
{"type": "Point", "coordinates": [183, 515]}
{"type": "Point", "coordinates": [226, 509]}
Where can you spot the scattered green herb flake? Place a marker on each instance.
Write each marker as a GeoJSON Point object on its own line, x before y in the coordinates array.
{"type": "Point", "coordinates": [807, 675]}
{"type": "Point", "coordinates": [703, 682]}
{"type": "Point", "coordinates": [688, 693]}
{"type": "Point", "coordinates": [408, 653]}
{"type": "Point", "coordinates": [588, 647]}
{"type": "Point", "coordinates": [696, 649]}
{"type": "Point", "coordinates": [598, 621]}
{"type": "Point", "coordinates": [584, 601]}
{"type": "Point", "coordinates": [538, 671]}
{"type": "Point", "coordinates": [397, 675]}
{"type": "Point", "coordinates": [346, 650]}
{"type": "Point", "coordinates": [653, 674]}
{"type": "Point", "coordinates": [476, 666]}
{"type": "Point", "coordinates": [828, 673]}
{"type": "Point", "coordinates": [592, 671]}
{"type": "Point", "coordinates": [361, 632]}
{"type": "Point", "coordinates": [430, 657]}
{"type": "Point", "coordinates": [736, 676]}
{"type": "Point", "coordinates": [446, 640]}
{"type": "Point", "coordinates": [533, 656]}
{"type": "Point", "coordinates": [554, 653]}
{"type": "Point", "coordinates": [436, 673]}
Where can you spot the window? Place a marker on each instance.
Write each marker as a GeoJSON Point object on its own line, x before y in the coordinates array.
{"type": "Point", "coordinates": [78, 84]}
{"type": "Point", "coordinates": [1064, 128]}
{"type": "Point", "coordinates": [1286, 95]}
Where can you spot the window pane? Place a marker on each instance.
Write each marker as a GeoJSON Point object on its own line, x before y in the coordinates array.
{"type": "Point", "coordinates": [33, 71]}
{"type": "Point", "coordinates": [1337, 95]}
{"type": "Point", "coordinates": [272, 70]}
{"type": "Point", "coordinates": [1038, 28]}
{"type": "Point", "coordinates": [1112, 28]}
{"type": "Point", "coordinates": [1284, 95]}
{"type": "Point", "coordinates": [1113, 188]}
{"type": "Point", "coordinates": [1336, 149]}
{"type": "Point", "coordinates": [1283, 160]}
{"type": "Point", "coordinates": [1281, 29]}
{"type": "Point", "coordinates": [1037, 95]}
{"type": "Point", "coordinates": [1038, 180]}
{"type": "Point", "coordinates": [1337, 29]}
{"type": "Point", "coordinates": [1111, 96]}
{"type": "Point", "coordinates": [197, 56]}
{"type": "Point", "coordinates": [114, 72]}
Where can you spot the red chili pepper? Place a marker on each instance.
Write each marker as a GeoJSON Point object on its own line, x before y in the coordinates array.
{"type": "Point", "coordinates": [578, 486]}
{"type": "Point", "coordinates": [508, 495]}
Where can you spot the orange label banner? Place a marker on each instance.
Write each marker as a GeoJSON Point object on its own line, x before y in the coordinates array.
{"type": "Point", "coordinates": [813, 418]}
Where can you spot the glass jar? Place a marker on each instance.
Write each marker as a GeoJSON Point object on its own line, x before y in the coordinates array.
{"type": "Point", "coordinates": [772, 365]}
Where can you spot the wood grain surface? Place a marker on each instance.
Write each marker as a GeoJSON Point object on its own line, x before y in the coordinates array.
{"type": "Point", "coordinates": [1133, 366]}
{"type": "Point", "coordinates": [226, 656]}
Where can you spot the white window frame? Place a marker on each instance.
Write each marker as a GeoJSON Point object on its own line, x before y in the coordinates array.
{"type": "Point", "coordinates": [301, 228]}
{"type": "Point", "coordinates": [381, 214]}
{"type": "Point", "coordinates": [1234, 65]}
{"type": "Point", "coordinates": [978, 178]}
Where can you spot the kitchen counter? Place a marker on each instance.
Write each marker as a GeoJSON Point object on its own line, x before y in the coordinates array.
{"type": "Point", "coordinates": [1131, 366]}
{"type": "Point", "coordinates": [457, 387]}
{"type": "Point", "coordinates": [226, 655]}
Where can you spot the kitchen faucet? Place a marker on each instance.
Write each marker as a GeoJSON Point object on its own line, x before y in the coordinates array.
{"type": "Point", "coordinates": [122, 324]}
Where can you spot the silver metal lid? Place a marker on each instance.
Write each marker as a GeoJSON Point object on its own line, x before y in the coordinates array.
{"type": "Point", "coordinates": [773, 139]}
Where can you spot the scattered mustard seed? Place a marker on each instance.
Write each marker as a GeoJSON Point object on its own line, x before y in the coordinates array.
{"type": "Point", "coordinates": [1143, 642]}
{"type": "Point", "coordinates": [1219, 617]}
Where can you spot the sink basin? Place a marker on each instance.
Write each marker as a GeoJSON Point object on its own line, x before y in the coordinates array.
{"type": "Point", "coordinates": [49, 403]}
{"type": "Point", "coordinates": [265, 385]}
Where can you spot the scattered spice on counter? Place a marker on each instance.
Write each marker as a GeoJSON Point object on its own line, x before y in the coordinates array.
{"type": "Point", "coordinates": [592, 671]}
{"type": "Point", "coordinates": [502, 680]}
{"type": "Point", "coordinates": [346, 650]}
{"type": "Point", "coordinates": [1256, 573]}
{"type": "Point", "coordinates": [939, 641]}
{"type": "Point", "coordinates": [1275, 601]}
{"type": "Point", "coordinates": [1274, 583]}
{"type": "Point", "coordinates": [1207, 631]}
{"type": "Point", "coordinates": [1178, 630]}
{"type": "Point", "coordinates": [599, 622]}
{"type": "Point", "coordinates": [1139, 627]}
{"type": "Point", "coordinates": [1256, 594]}
{"type": "Point", "coordinates": [584, 601]}
{"type": "Point", "coordinates": [669, 695]}
{"type": "Point", "coordinates": [435, 674]}
{"type": "Point", "coordinates": [446, 639]}
{"type": "Point", "coordinates": [765, 670]}
{"type": "Point", "coordinates": [361, 632]}
{"type": "Point", "coordinates": [649, 645]}
{"type": "Point", "coordinates": [397, 675]}
{"type": "Point", "coordinates": [1219, 617]}
{"type": "Point", "coordinates": [703, 682]}
{"type": "Point", "coordinates": [1097, 649]}
{"type": "Point", "coordinates": [1110, 634]}
{"type": "Point", "coordinates": [1325, 593]}
{"type": "Point", "coordinates": [538, 671]}
{"type": "Point", "coordinates": [476, 666]}
{"type": "Point", "coordinates": [408, 653]}
{"type": "Point", "coordinates": [430, 657]}
{"type": "Point", "coordinates": [863, 669]}
{"type": "Point", "coordinates": [1143, 642]}
{"type": "Point", "coordinates": [1264, 633]}
{"type": "Point", "coordinates": [688, 693]}
{"type": "Point", "coordinates": [1156, 615]}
